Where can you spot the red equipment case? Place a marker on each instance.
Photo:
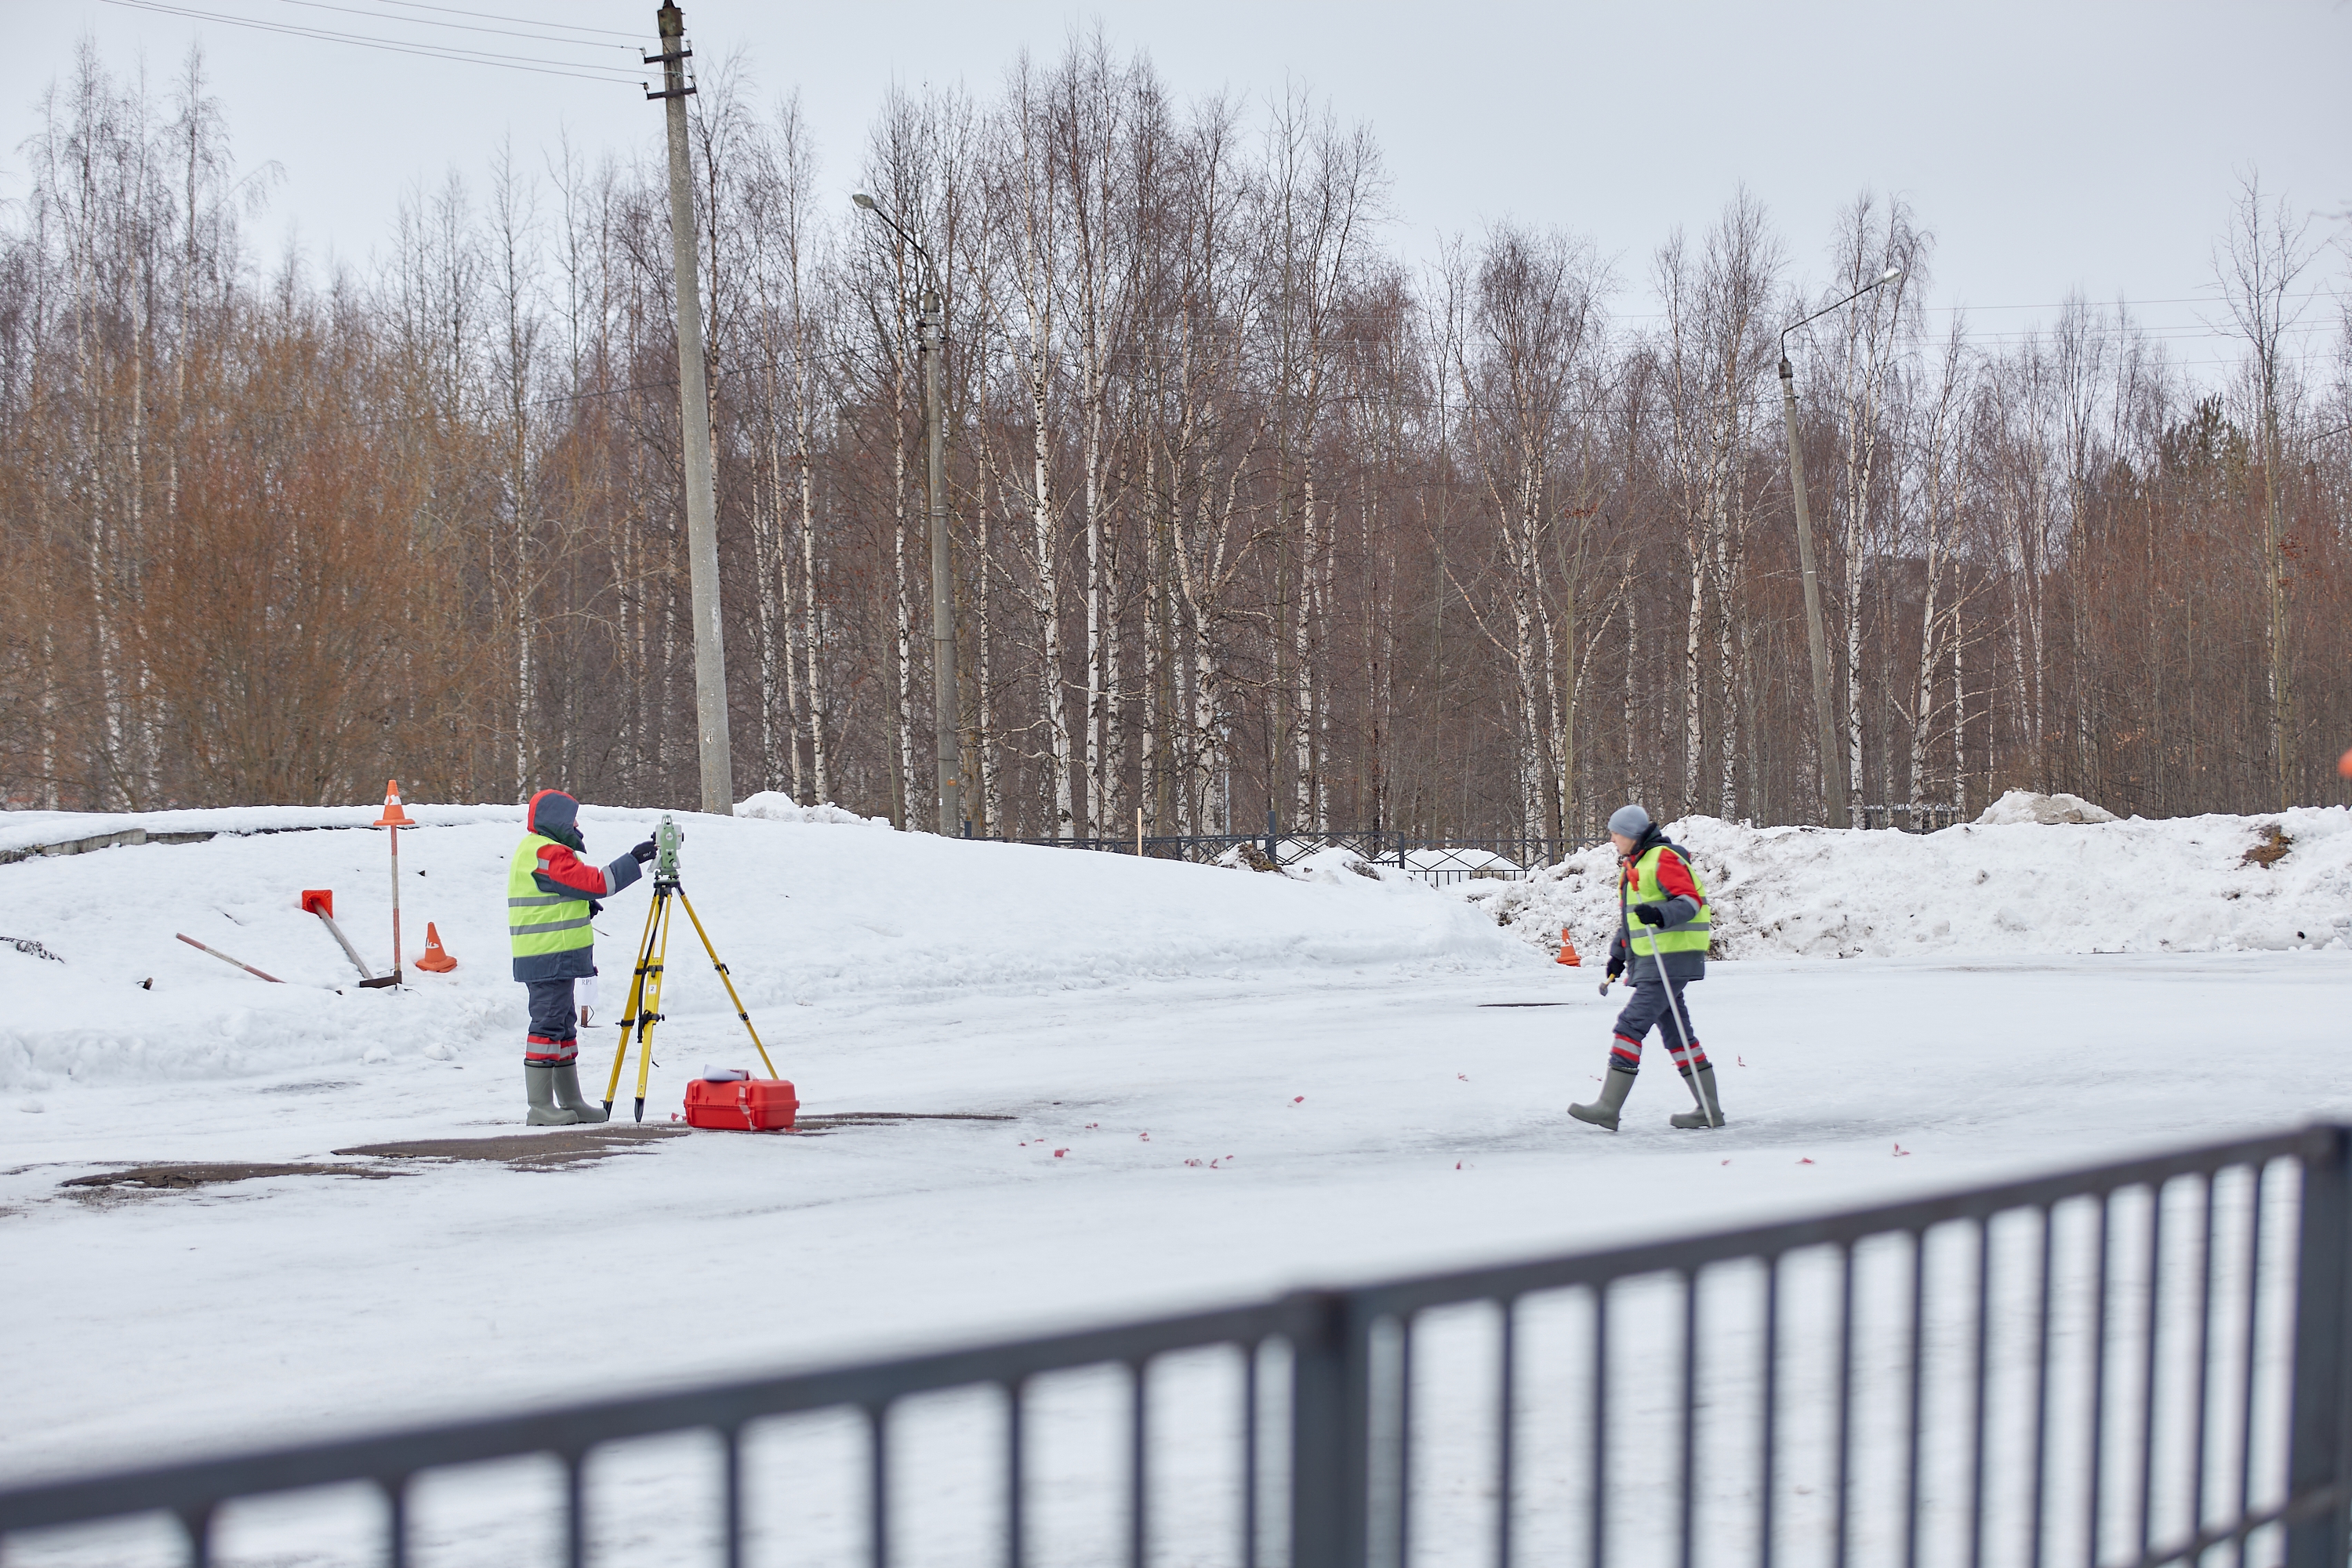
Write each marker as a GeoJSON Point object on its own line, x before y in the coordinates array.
{"type": "Point", "coordinates": [744, 1105]}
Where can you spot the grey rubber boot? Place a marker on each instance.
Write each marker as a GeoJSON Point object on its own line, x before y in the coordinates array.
{"type": "Point", "coordinates": [1713, 1116]}
{"type": "Point", "coordinates": [539, 1082]}
{"type": "Point", "coordinates": [567, 1094]}
{"type": "Point", "coordinates": [1603, 1112]}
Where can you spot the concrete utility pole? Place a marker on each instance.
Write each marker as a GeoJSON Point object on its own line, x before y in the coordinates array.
{"type": "Point", "coordinates": [945, 694]}
{"type": "Point", "coordinates": [1824, 718]}
{"type": "Point", "coordinates": [1834, 781]}
{"type": "Point", "coordinates": [694, 422]}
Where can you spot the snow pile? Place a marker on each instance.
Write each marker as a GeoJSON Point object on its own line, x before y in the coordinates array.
{"type": "Point", "coordinates": [2021, 806]}
{"type": "Point", "coordinates": [2182, 885]}
{"type": "Point", "coordinates": [774, 806]}
{"type": "Point", "coordinates": [801, 917]}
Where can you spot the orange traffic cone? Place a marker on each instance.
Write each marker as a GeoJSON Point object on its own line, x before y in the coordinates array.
{"type": "Point", "coordinates": [2344, 765]}
{"type": "Point", "coordinates": [436, 957]}
{"type": "Point", "coordinates": [1568, 951]}
{"type": "Point", "coordinates": [394, 816]}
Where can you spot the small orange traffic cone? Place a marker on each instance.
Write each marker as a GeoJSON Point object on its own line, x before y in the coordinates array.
{"type": "Point", "coordinates": [436, 957]}
{"type": "Point", "coordinates": [1568, 951]}
{"type": "Point", "coordinates": [394, 816]}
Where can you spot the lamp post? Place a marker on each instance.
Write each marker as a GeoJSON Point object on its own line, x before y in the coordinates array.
{"type": "Point", "coordinates": [944, 698]}
{"type": "Point", "coordinates": [1833, 781]}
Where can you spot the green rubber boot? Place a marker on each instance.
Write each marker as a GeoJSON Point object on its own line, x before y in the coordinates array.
{"type": "Point", "coordinates": [1713, 1115]}
{"type": "Point", "coordinates": [539, 1082]}
{"type": "Point", "coordinates": [1603, 1112]}
{"type": "Point", "coordinates": [567, 1094]}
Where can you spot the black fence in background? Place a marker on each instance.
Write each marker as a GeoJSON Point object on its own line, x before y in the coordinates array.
{"type": "Point", "coordinates": [1441, 861]}
{"type": "Point", "coordinates": [1912, 819]}
{"type": "Point", "coordinates": [2137, 1364]}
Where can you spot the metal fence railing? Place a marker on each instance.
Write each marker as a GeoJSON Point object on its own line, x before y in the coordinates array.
{"type": "Point", "coordinates": [1438, 860]}
{"type": "Point", "coordinates": [1926, 818]}
{"type": "Point", "coordinates": [2139, 1364]}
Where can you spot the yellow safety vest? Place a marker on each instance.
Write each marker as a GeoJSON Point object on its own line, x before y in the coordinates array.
{"type": "Point", "coordinates": [1691, 936]}
{"type": "Point", "coordinates": [542, 923]}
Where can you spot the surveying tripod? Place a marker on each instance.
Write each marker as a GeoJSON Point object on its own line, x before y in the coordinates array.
{"type": "Point", "coordinates": [644, 1010]}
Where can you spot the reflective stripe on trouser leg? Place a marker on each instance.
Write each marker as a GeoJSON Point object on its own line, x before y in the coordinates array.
{"type": "Point", "coordinates": [1675, 1026]}
{"type": "Point", "coordinates": [554, 1024]}
{"type": "Point", "coordinates": [539, 1051]}
{"type": "Point", "coordinates": [1624, 1055]}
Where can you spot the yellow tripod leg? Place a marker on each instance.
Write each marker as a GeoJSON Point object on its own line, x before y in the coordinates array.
{"type": "Point", "coordinates": [651, 1013]}
{"type": "Point", "coordinates": [728, 981]}
{"type": "Point", "coordinates": [629, 1013]}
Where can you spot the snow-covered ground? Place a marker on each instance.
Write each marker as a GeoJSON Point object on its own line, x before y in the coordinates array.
{"type": "Point", "coordinates": [1215, 1084]}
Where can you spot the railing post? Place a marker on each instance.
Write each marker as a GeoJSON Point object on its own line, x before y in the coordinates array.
{"type": "Point", "coordinates": [1271, 852]}
{"type": "Point", "coordinates": [1330, 1439]}
{"type": "Point", "coordinates": [2318, 1454]}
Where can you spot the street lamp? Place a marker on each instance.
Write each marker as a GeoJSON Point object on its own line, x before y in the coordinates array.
{"type": "Point", "coordinates": [944, 699]}
{"type": "Point", "coordinates": [1833, 781]}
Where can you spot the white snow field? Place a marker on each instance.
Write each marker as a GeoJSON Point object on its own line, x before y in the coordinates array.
{"type": "Point", "coordinates": [1213, 1085]}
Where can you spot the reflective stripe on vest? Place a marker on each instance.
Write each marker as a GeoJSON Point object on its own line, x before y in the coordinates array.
{"type": "Point", "coordinates": [555, 922]}
{"type": "Point", "coordinates": [1691, 936]}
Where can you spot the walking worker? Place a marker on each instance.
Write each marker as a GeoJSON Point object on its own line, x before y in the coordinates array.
{"type": "Point", "coordinates": [551, 895]}
{"type": "Point", "coordinates": [1663, 930]}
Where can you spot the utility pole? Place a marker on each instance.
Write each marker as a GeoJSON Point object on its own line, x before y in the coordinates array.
{"type": "Point", "coordinates": [1825, 723]}
{"type": "Point", "coordinates": [694, 424]}
{"type": "Point", "coordinates": [946, 695]}
{"type": "Point", "coordinates": [1834, 781]}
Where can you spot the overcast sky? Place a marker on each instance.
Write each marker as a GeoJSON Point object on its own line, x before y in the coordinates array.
{"type": "Point", "coordinates": [2050, 146]}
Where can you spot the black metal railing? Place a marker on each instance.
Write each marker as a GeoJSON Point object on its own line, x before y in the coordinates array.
{"type": "Point", "coordinates": [2138, 1363]}
{"type": "Point", "coordinates": [1912, 819]}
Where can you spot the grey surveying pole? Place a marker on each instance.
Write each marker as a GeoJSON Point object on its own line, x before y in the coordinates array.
{"type": "Point", "coordinates": [694, 424]}
{"type": "Point", "coordinates": [1834, 795]}
{"type": "Point", "coordinates": [946, 698]}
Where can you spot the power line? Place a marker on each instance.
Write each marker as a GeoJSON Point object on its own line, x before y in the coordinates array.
{"type": "Point", "coordinates": [533, 64]}
{"type": "Point", "coordinates": [2098, 306]}
{"type": "Point", "coordinates": [527, 21]}
{"type": "Point", "coordinates": [460, 27]}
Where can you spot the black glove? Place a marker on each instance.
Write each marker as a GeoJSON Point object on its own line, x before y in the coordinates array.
{"type": "Point", "coordinates": [1650, 914]}
{"type": "Point", "coordinates": [1616, 967]}
{"type": "Point", "coordinates": [643, 852]}
{"type": "Point", "coordinates": [594, 909]}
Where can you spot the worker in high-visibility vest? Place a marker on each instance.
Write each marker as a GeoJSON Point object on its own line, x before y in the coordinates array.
{"type": "Point", "coordinates": [551, 895]}
{"type": "Point", "coordinates": [1663, 926]}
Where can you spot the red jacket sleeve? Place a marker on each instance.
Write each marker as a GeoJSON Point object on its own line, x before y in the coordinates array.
{"type": "Point", "coordinates": [562, 866]}
{"type": "Point", "coordinates": [1674, 877]}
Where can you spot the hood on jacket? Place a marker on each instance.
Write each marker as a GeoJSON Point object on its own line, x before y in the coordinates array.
{"type": "Point", "coordinates": [551, 814]}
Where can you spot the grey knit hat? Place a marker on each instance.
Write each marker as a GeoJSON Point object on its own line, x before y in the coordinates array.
{"type": "Point", "coordinates": [1630, 820]}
